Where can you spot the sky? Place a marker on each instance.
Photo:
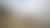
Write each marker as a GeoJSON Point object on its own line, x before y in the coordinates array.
{"type": "Point", "coordinates": [36, 7]}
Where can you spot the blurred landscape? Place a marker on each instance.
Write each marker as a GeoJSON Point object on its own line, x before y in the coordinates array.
{"type": "Point", "coordinates": [24, 14]}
